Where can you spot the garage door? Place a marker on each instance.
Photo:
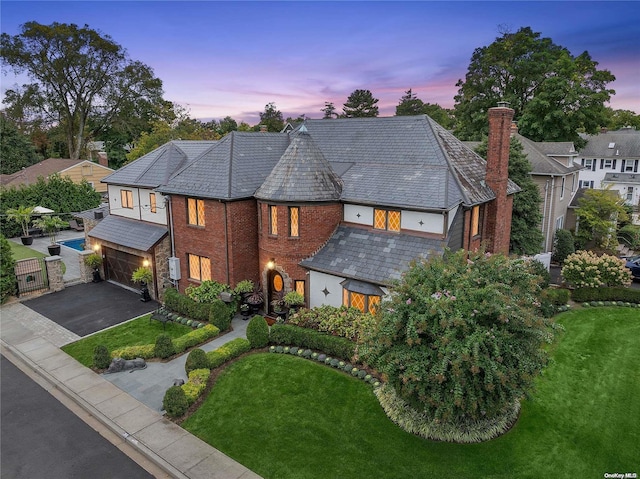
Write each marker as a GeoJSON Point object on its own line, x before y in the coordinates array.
{"type": "Point", "coordinates": [119, 266]}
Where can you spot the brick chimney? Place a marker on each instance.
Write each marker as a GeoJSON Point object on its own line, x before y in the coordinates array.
{"type": "Point", "coordinates": [102, 159]}
{"type": "Point", "coordinates": [498, 218]}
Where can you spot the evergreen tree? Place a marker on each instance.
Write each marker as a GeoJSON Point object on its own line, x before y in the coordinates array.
{"type": "Point", "coordinates": [360, 104]}
{"type": "Point", "coordinates": [272, 118]}
{"type": "Point", "coordinates": [410, 104]}
{"type": "Point", "coordinates": [526, 218]}
{"type": "Point", "coordinates": [329, 111]}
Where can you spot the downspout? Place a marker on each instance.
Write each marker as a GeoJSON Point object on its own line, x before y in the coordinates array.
{"type": "Point", "coordinates": [226, 241]}
{"type": "Point", "coordinates": [553, 188]}
{"type": "Point", "coordinates": [544, 212]}
{"type": "Point", "coordinates": [172, 241]}
{"type": "Point", "coordinates": [139, 206]}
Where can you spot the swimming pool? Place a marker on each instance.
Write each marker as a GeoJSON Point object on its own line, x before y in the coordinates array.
{"type": "Point", "coordinates": [77, 244]}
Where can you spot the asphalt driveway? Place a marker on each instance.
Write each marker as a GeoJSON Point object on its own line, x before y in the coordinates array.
{"type": "Point", "coordinates": [87, 308]}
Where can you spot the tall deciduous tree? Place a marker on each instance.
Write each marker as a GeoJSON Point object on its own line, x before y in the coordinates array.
{"type": "Point", "coordinates": [553, 93]}
{"type": "Point", "coordinates": [16, 150]}
{"type": "Point", "coordinates": [81, 77]}
{"type": "Point", "coordinates": [526, 236]}
{"type": "Point", "coordinates": [598, 213]}
{"type": "Point", "coordinates": [360, 103]}
{"type": "Point", "coordinates": [272, 118]}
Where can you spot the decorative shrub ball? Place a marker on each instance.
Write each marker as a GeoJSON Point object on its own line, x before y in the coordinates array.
{"type": "Point", "coordinates": [335, 363]}
{"type": "Point", "coordinates": [362, 374]}
{"type": "Point", "coordinates": [175, 401]}
{"type": "Point", "coordinates": [258, 332]}
{"type": "Point", "coordinates": [306, 353]}
{"type": "Point", "coordinates": [101, 357]}
{"type": "Point", "coordinates": [197, 359]}
{"type": "Point", "coordinates": [163, 347]}
{"type": "Point", "coordinates": [347, 368]}
{"type": "Point", "coordinates": [279, 349]}
{"type": "Point", "coordinates": [293, 350]}
{"type": "Point", "coordinates": [322, 357]}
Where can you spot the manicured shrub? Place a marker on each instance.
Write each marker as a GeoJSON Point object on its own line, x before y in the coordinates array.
{"type": "Point", "coordinates": [101, 357]}
{"type": "Point", "coordinates": [185, 306]}
{"type": "Point", "coordinates": [258, 332]}
{"type": "Point", "coordinates": [230, 350]}
{"type": "Point", "coordinates": [586, 269]}
{"type": "Point", "coordinates": [175, 401]}
{"type": "Point", "coordinates": [582, 295]}
{"type": "Point", "coordinates": [288, 334]}
{"type": "Point", "coordinates": [163, 347]}
{"type": "Point", "coordinates": [196, 384]}
{"type": "Point", "coordinates": [197, 359]}
{"type": "Point", "coordinates": [348, 323]}
{"type": "Point", "coordinates": [220, 314]}
{"type": "Point", "coordinates": [7, 271]}
{"type": "Point", "coordinates": [144, 351]}
{"type": "Point", "coordinates": [195, 337]}
{"type": "Point", "coordinates": [563, 245]}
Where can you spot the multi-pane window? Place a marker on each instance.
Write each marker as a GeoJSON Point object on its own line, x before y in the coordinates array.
{"type": "Point", "coordinates": [386, 220]}
{"type": "Point", "coordinates": [629, 193]}
{"type": "Point", "coordinates": [273, 220]}
{"type": "Point", "coordinates": [152, 202]}
{"type": "Point", "coordinates": [199, 267]}
{"type": "Point", "coordinates": [475, 221]}
{"type": "Point", "coordinates": [294, 221]}
{"type": "Point", "coordinates": [363, 302]}
{"type": "Point", "coordinates": [126, 197]}
{"type": "Point", "coordinates": [195, 213]}
{"type": "Point", "coordinates": [299, 286]}
{"type": "Point", "coordinates": [585, 184]}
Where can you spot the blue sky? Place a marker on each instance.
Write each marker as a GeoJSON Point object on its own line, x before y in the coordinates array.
{"type": "Point", "coordinates": [232, 58]}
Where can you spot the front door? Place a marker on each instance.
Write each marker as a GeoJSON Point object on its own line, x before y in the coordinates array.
{"type": "Point", "coordinates": [276, 287]}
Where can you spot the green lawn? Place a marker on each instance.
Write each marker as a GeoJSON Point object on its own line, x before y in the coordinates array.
{"type": "Point", "coordinates": [139, 331]}
{"type": "Point", "coordinates": [22, 252]}
{"type": "Point", "coordinates": [287, 417]}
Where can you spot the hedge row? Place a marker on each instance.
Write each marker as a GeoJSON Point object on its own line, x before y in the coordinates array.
{"type": "Point", "coordinates": [308, 338]}
{"type": "Point", "coordinates": [227, 352]}
{"type": "Point", "coordinates": [582, 295]}
{"type": "Point", "coordinates": [180, 344]}
{"type": "Point", "coordinates": [217, 313]}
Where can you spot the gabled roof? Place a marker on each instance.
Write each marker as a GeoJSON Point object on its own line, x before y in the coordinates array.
{"type": "Point", "coordinates": [45, 168]}
{"type": "Point", "coordinates": [301, 174]}
{"type": "Point", "coordinates": [538, 154]}
{"type": "Point", "coordinates": [157, 167]}
{"type": "Point", "coordinates": [234, 168]}
{"type": "Point", "coordinates": [626, 144]}
{"type": "Point", "coordinates": [366, 255]}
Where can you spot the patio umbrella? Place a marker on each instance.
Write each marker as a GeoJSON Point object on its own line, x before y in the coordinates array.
{"type": "Point", "coordinates": [42, 210]}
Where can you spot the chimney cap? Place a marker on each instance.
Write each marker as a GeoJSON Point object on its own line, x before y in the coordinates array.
{"type": "Point", "coordinates": [503, 104]}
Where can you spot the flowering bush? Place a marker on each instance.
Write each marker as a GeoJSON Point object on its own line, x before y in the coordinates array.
{"type": "Point", "coordinates": [461, 338]}
{"type": "Point", "coordinates": [585, 269]}
{"type": "Point", "coordinates": [345, 322]}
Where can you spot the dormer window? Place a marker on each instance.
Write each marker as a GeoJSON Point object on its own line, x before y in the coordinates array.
{"type": "Point", "coordinates": [386, 220]}
{"type": "Point", "coordinates": [612, 145]}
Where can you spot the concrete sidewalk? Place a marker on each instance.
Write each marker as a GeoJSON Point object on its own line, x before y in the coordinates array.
{"type": "Point", "coordinates": [33, 341]}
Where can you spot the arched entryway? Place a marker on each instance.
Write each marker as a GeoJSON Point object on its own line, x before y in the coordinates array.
{"type": "Point", "coordinates": [276, 288]}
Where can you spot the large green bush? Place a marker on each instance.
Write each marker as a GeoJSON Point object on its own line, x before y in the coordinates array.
{"type": "Point", "coordinates": [587, 269]}
{"type": "Point", "coordinates": [206, 292]}
{"type": "Point", "coordinates": [286, 334]}
{"type": "Point", "coordinates": [175, 401]}
{"type": "Point", "coordinates": [221, 314]}
{"type": "Point", "coordinates": [164, 347]}
{"type": "Point", "coordinates": [258, 332]}
{"type": "Point", "coordinates": [7, 270]}
{"type": "Point", "coordinates": [197, 359]}
{"type": "Point", "coordinates": [461, 338]}
{"type": "Point", "coordinates": [631, 235]}
{"type": "Point", "coordinates": [185, 306]}
{"type": "Point", "coordinates": [58, 193]}
{"type": "Point", "coordinates": [101, 357]}
{"type": "Point", "coordinates": [563, 245]}
{"type": "Point", "coordinates": [345, 322]}
{"type": "Point", "coordinates": [627, 295]}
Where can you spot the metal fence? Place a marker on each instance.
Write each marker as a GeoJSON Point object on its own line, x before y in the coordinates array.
{"type": "Point", "coordinates": [31, 274]}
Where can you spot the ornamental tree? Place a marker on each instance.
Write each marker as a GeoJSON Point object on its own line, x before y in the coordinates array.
{"type": "Point", "coordinates": [461, 338]}
{"type": "Point", "coordinates": [360, 104]}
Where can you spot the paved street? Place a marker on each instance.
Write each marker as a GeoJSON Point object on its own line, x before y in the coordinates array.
{"type": "Point", "coordinates": [42, 438]}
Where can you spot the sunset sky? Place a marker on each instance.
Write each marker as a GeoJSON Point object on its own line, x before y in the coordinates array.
{"type": "Point", "coordinates": [232, 58]}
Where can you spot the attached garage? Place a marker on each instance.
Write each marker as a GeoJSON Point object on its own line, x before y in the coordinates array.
{"type": "Point", "coordinates": [119, 266]}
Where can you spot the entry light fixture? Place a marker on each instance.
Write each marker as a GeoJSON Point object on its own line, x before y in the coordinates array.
{"type": "Point", "coordinates": [271, 263]}
{"type": "Point", "coordinates": [145, 263]}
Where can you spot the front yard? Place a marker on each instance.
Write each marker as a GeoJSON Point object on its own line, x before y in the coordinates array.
{"type": "Point", "coordinates": [286, 417]}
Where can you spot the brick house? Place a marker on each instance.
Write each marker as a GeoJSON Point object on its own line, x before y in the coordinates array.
{"type": "Point", "coordinates": [335, 209]}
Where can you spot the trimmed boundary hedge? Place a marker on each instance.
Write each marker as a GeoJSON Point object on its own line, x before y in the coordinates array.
{"type": "Point", "coordinates": [626, 295]}
{"type": "Point", "coordinates": [285, 334]}
{"type": "Point", "coordinates": [217, 313]}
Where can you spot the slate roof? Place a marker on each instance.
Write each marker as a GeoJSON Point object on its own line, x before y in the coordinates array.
{"type": "Point", "coordinates": [128, 232]}
{"type": "Point", "coordinates": [234, 168]}
{"type": "Point", "coordinates": [626, 144]}
{"type": "Point", "coordinates": [301, 174]}
{"type": "Point", "coordinates": [542, 164]}
{"type": "Point", "coordinates": [155, 168]}
{"type": "Point", "coordinates": [372, 256]}
{"type": "Point", "coordinates": [90, 213]}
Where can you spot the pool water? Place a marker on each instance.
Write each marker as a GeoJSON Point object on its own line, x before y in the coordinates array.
{"type": "Point", "coordinates": [77, 244]}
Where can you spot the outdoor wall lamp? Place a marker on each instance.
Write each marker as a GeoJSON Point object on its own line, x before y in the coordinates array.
{"type": "Point", "coordinates": [145, 263]}
{"type": "Point", "coordinates": [96, 247]}
{"type": "Point", "coordinates": [271, 263]}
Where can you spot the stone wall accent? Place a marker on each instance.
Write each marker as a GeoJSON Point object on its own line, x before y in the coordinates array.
{"type": "Point", "coordinates": [162, 252]}
{"type": "Point", "coordinates": [54, 272]}
{"type": "Point", "coordinates": [86, 272]}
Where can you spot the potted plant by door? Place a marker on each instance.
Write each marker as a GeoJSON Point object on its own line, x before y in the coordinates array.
{"type": "Point", "coordinates": [94, 260]}
{"type": "Point", "coordinates": [51, 225]}
{"type": "Point", "coordinates": [22, 214]}
{"type": "Point", "coordinates": [279, 307]}
{"type": "Point", "coordinates": [143, 276]}
{"type": "Point", "coordinates": [293, 300]}
{"type": "Point", "coordinates": [255, 299]}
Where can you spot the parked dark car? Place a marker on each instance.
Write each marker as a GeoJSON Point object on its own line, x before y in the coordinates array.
{"type": "Point", "coordinates": [633, 263]}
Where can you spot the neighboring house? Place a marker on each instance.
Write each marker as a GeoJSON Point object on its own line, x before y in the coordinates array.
{"type": "Point", "coordinates": [554, 172]}
{"type": "Point", "coordinates": [336, 209]}
{"type": "Point", "coordinates": [612, 159]}
{"type": "Point", "coordinates": [77, 170]}
{"type": "Point", "coordinates": [136, 229]}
